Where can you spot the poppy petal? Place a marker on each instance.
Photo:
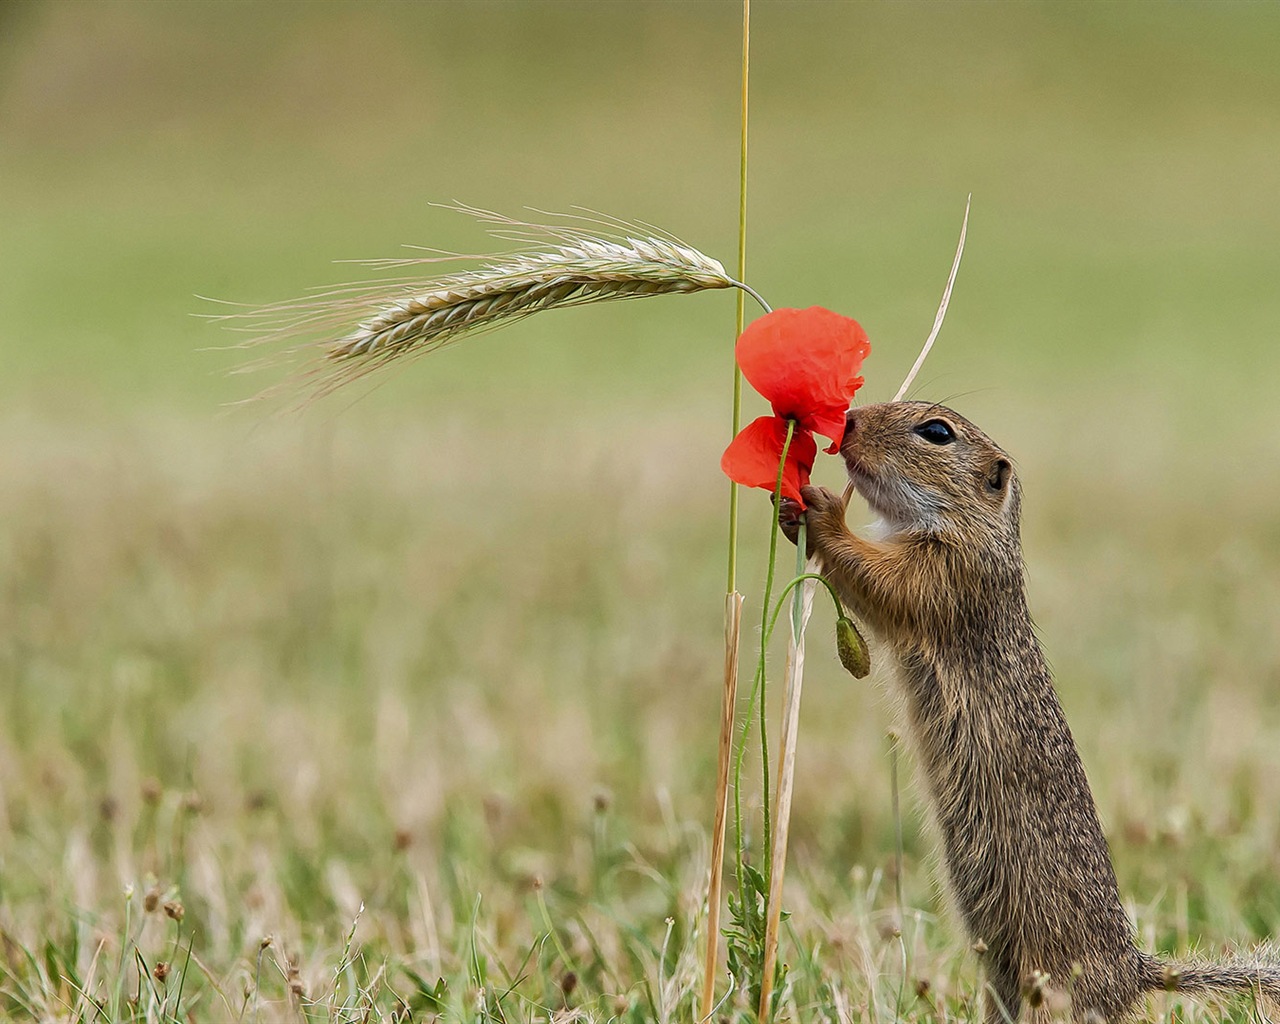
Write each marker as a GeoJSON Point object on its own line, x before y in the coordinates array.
{"type": "Point", "coordinates": [752, 457]}
{"type": "Point", "coordinates": [831, 421]}
{"type": "Point", "coordinates": [806, 363]}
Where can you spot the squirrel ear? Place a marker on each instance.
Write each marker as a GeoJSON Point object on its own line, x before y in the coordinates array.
{"type": "Point", "coordinates": [998, 474]}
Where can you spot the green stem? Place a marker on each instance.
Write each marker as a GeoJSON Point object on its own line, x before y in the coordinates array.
{"type": "Point", "coordinates": [760, 686]}
{"type": "Point", "coordinates": [732, 584]}
{"type": "Point", "coordinates": [764, 648]}
{"type": "Point", "coordinates": [777, 608]}
{"type": "Point", "coordinates": [742, 272]}
{"type": "Point", "coordinates": [743, 291]}
{"type": "Point", "coordinates": [797, 604]}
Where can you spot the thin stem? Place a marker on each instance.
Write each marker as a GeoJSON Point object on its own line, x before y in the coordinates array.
{"type": "Point", "coordinates": [942, 306]}
{"type": "Point", "coordinates": [563, 953]}
{"type": "Point", "coordinates": [742, 272]}
{"type": "Point", "coordinates": [898, 858]}
{"type": "Point", "coordinates": [797, 605]}
{"type": "Point", "coordinates": [743, 290]}
{"type": "Point", "coordinates": [733, 600]}
{"type": "Point", "coordinates": [802, 604]}
{"type": "Point", "coordinates": [728, 708]}
{"type": "Point", "coordinates": [755, 295]}
{"type": "Point", "coordinates": [795, 582]}
{"type": "Point", "coordinates": [898, 852]}
{"type": "Point", "coordinates": [731, 584]}
{"type": "Point", "coordinates": [764, 647]}
{"type": "Point", "coordinates": [759, 685]}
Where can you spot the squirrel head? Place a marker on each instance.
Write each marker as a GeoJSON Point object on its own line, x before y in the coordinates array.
{"type": "Point", "coordinates": [924, 468]}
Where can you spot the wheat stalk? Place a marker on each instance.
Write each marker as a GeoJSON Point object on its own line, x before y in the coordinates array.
{"type": "Point", "coordinates": [733, 600]}
{"type": "Point", "coordinates": [566, 265]}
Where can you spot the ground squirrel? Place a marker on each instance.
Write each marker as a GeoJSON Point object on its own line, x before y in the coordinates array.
{"type": "Point", "coordinates": [941, 587]}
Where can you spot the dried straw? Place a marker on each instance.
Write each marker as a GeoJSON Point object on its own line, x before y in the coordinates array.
{"type": "Point", "coordinates": [398, 318]}
{"type": "Point", "coordinates": [938, 319]}
{"type": "Point", "coordinates": [802, 608]}
{"type": "Point", "coordinates": [942, 306]}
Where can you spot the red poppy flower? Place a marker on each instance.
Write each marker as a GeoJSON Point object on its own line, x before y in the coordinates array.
{"type": "Point", "coordinates": [806, 363]}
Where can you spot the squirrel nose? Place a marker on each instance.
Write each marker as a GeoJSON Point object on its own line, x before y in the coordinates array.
{"type": "Point", "coordinates": [850, 420]}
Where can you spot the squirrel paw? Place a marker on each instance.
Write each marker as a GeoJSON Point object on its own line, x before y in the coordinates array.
{"type": "Point", "coordinates": [790, 512]}
{"type": "Point", "coordinates": [822, 504]}
{"type": "Point", "coordinates": [821, 512]}
{"type": "Point", "coordinates": [824, 515]}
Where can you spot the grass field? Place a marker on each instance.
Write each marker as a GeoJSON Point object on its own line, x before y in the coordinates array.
{"type": "Point", "coordinates": [408, 705]}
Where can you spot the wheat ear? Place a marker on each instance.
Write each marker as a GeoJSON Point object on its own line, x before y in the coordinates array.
{"type": "Point", "coordinates": [399, 318]}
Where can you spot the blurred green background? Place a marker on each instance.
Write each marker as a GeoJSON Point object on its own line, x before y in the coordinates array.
{"type": "Point", "coordinates": [495, 581]}
{"type": "Point", "coordinates": [1122, 159]}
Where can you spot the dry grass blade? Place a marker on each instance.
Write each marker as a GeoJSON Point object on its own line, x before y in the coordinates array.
{"type": "Point", "coordinates": [724, 760]}
{"type": "Point", "coordinates": [937, 321]}
{"type": "Point", "coordinates": [802, 608]}
{"type": "Point", "coordinates": [356, 329]}
{"type": "Point", "coordinates": [942, 306]}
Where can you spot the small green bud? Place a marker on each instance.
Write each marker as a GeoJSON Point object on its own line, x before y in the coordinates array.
{"type": "Point", "coordinates": [852, 649]}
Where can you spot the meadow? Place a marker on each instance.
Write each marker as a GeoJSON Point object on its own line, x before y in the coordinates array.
{"type": "Point", "coordinates": [404, 706]}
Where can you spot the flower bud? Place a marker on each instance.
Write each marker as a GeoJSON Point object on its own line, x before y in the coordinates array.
{"type": "Point", "coordinates": [852, 649]}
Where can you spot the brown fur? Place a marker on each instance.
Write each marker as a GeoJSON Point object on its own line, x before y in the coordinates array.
{"type": "Point", "coordinates": [944, 592]}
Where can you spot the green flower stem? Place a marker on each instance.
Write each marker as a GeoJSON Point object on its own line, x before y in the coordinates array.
{"type": "Point", "coordinates": [759, 687]}
{"type": "Point", "coordinates": [742, 272]}
{"type": "Point", "coordinates": [732, 584]}
{"type": "Point", "coordinates": [777, 608]}
{"type": "Point", "coordinates": [733, 600]}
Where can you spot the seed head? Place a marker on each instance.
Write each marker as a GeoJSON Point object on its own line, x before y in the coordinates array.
{"type": "Point", "coordinates": [361, 328]}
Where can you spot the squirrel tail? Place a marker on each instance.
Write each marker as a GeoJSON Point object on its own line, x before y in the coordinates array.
{"type": "Point", "coordinates": [1258, 974]}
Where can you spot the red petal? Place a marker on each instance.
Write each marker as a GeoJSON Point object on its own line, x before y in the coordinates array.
{"type": "Point", "coordinates": [752, 457]}
{"type": "Point", "coordinates": [806, 362]}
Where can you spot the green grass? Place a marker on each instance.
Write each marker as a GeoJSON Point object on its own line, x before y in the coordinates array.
{"type": "Point", "coordinates": [452, 653]}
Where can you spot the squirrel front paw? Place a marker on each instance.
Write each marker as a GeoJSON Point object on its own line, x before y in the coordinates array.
{"type": "Point", "coordinates": [822, 513]}
{"type": "Point", "coordinates": [824, 516]}
{"type": "Point", "coordinates": [790, 512]}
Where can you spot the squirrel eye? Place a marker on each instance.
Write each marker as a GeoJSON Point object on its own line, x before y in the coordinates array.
{"type": "Point", "coordinates": [936, 432]}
